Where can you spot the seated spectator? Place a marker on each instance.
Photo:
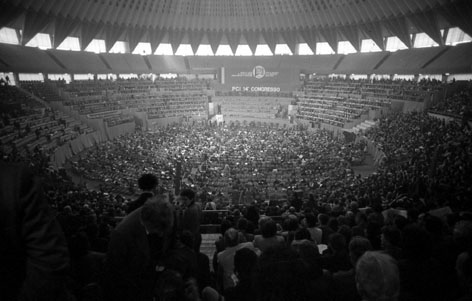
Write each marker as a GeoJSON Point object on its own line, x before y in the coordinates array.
{"type": "Point", "coordinates": [290, 225]}
{"type": "Point", "coordinates": [361, 225]}
{"type": "Point", "coordinates": [464, 275]}
{"type": "Point", "coordinates": [377, 277]}
{"type": "Point", "coordinates": [391, 241]}
{"type": "Point", "coordinates": [282, 275]}
{"type": "Point", "coordinates": [87, 266]}
{"type": "Point", "coordinates": [268, 237]}
{"type": "Point", "coordinates": [243, 227]}
{"type": "Point", "coordinates": [220, 244]}
{"type": "Point", "coordinates": [225, 258]}
{"type": "Point", "coordinates": [323, 220]}
{"type": "Point", "coordinates": [320, 282]}
{"type": "Point", "coordinates": [344, 282]}
{"type": "Point", "coordinates": [420, 274]}
{"type": "Point", "coordinates": [315, 232]}
{"type": "Point", "coordinates": [182, 258]}
{"type": "Point", "coordinates": [337, 257]}
{"type": "Point", "coordinates": [245, 265]}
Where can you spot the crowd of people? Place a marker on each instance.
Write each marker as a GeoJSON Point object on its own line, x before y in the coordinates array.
{"type": "Point", "coordinates": [299, 223]}
{"type": "Point", "coordinates": [236, 162]}
{"type": "Point", "coordinates": [153, 251]}
{"type": "Point", "coordinates": [458, 104]}
{"type": "Point", "coordinates": [427, 158]}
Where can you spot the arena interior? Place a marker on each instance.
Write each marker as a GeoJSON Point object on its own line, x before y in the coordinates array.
{"type": "Point", "coordinates": [236, 150]}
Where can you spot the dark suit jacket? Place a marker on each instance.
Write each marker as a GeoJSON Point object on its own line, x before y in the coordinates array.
{"type": "Point", "coordinates": [138, 202]}
{"type": "Point", "coordinates": [130, 268]}
{"type": "Point", "coordinates": [33, 250]}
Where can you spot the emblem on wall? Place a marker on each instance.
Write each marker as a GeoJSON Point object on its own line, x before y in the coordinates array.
{"type": "Point", "coordinates": [258, 72]}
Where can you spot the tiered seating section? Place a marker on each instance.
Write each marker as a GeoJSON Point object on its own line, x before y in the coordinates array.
{"type": "Point", "coordinates": [338, 102]}
{"type": "Point", "coordinates": [159, 99]}
{"type": "Point", "coordinates": [262, 107]}
{"type": "Point", "coordinates": [457, 105]}
{"type": "Point", "coordinates": [26, 124]}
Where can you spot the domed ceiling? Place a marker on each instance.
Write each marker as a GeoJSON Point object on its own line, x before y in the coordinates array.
{"type": "Point", "coordinates": [235, 22]}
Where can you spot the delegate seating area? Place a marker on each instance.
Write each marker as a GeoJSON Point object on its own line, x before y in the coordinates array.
{"type": "Point", "coordinates": [159, 99]}
{"type": "Point", "coordinates": [27, 125]}
{"type": "Point", "coordinates": [338, 102]}
{"type": "Point", "coordinates": [262, 107]}
{"type": "Point", "coordinates": [458, 104]}
{"type": "Point", "coordinates": [311, 169]}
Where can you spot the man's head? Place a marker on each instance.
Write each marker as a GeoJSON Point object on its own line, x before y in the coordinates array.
{"type": "Point", "coordinates": [157, 217]}
{"type": "Point", "coordinates": [337, 242]}
{"type": "Point", "coordinates": [377, 277]}
{"type": "Point", "coordinates": [148, 182]}
{"type": "Point", "coordinates": [323, 219]}
{"type": "Point", "coordinates": [310, 220]}
{"type": "Point", "coordinates": [245, 263]}
{"type": "Point", "coordinates": [391, 237]}
{"type": "Point", "coordinates": [357, 247]}
{"type": "Point", "coordinates": [464, 270]}
{"type": "Point", "coordinates": [187, 196]}
{"type": "Point", "coordinates": [231, 237]}
{"type": "Point", "coordinates": [269, 229]}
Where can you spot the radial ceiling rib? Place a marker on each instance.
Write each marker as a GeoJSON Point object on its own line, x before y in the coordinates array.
{"type": "Point", "coordinates": [290, 38]}
{"type": "Point", "coordinates": [273, 19]}
{"type": "Point", "coordinates": [112, 35]}
{"type": "Point", "coordinates": [135, 35]}
{"type": "Point", "coordinates": [427, 22]}
{"type": "Point", "coordinates": [62, 29]}
{"type": "Point", "coordinates": [214, 38]}
{"type": "Point", "coordinates": [195, 38]}
{"type": "Point", "coordinates": [352, 35]}
{"type": "Point", "coordinates": [233, 39]}
{"type": "Point", "coordinates": [175, 37]}
{"type": "Point", "coordinates": [88, 32]}
{"type": "Point", "coordinates": [155, 38]}
{"type": "Point", "coordinates": [148, 19]}
{"type": "Point", "coordinates": [310, 37]}
{"type": "Point", "coordinates": [331, 37]}
{"type": "Point", "coordinates": [97, 13]}
{"type": "Point", "coordinates": [34, 23]}
{"type": "Point", "coordinates": [271, 39]}
{"type": "Point", "coordinates": [48, 5]}
{"type": "Point", "coordinates": [252, 38]}
{"type": "Point", "coordinates": [458, 14]}
{"type": "Point", "coordinates": [374, 32]}
{"type": "Point", "coordinates": [398, 27]}
{"type": "Point", "coordinates": [37, 4]}
{"type": "Point", "coordinates": [9, 13]}
{"type": "Point", "coordinates": [85, 10]}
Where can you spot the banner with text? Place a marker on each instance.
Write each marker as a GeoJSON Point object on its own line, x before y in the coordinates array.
{"type": "Point", "coordinates": [260, 79]}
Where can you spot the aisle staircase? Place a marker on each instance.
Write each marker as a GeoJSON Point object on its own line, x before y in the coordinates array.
{"type": "Point", "coordinates": [208, 245]}
{"type": "Point", "coordinates": [363, 126]}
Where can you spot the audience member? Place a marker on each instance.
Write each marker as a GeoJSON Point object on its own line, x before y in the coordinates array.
{"type": "Point", "coordinates": [137, 250]}
{"type": "Point", "coordinates": [148, 184]}
{"type": "Point", "coordinates": [377, 277]}
{"type": "Point", "coordinates": [34, 255]}
{"type": "Point", "coordinates": [268, 237]}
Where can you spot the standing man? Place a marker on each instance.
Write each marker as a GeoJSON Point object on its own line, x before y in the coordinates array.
{"type": "Point", "coordinates": [136, 251]}
{"type": "Point", "coordinates": [148, 184]}
{"type": "Point", "coordinates": [33, 252]}
{"type": "Point", "coordinates": [191, 216]}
